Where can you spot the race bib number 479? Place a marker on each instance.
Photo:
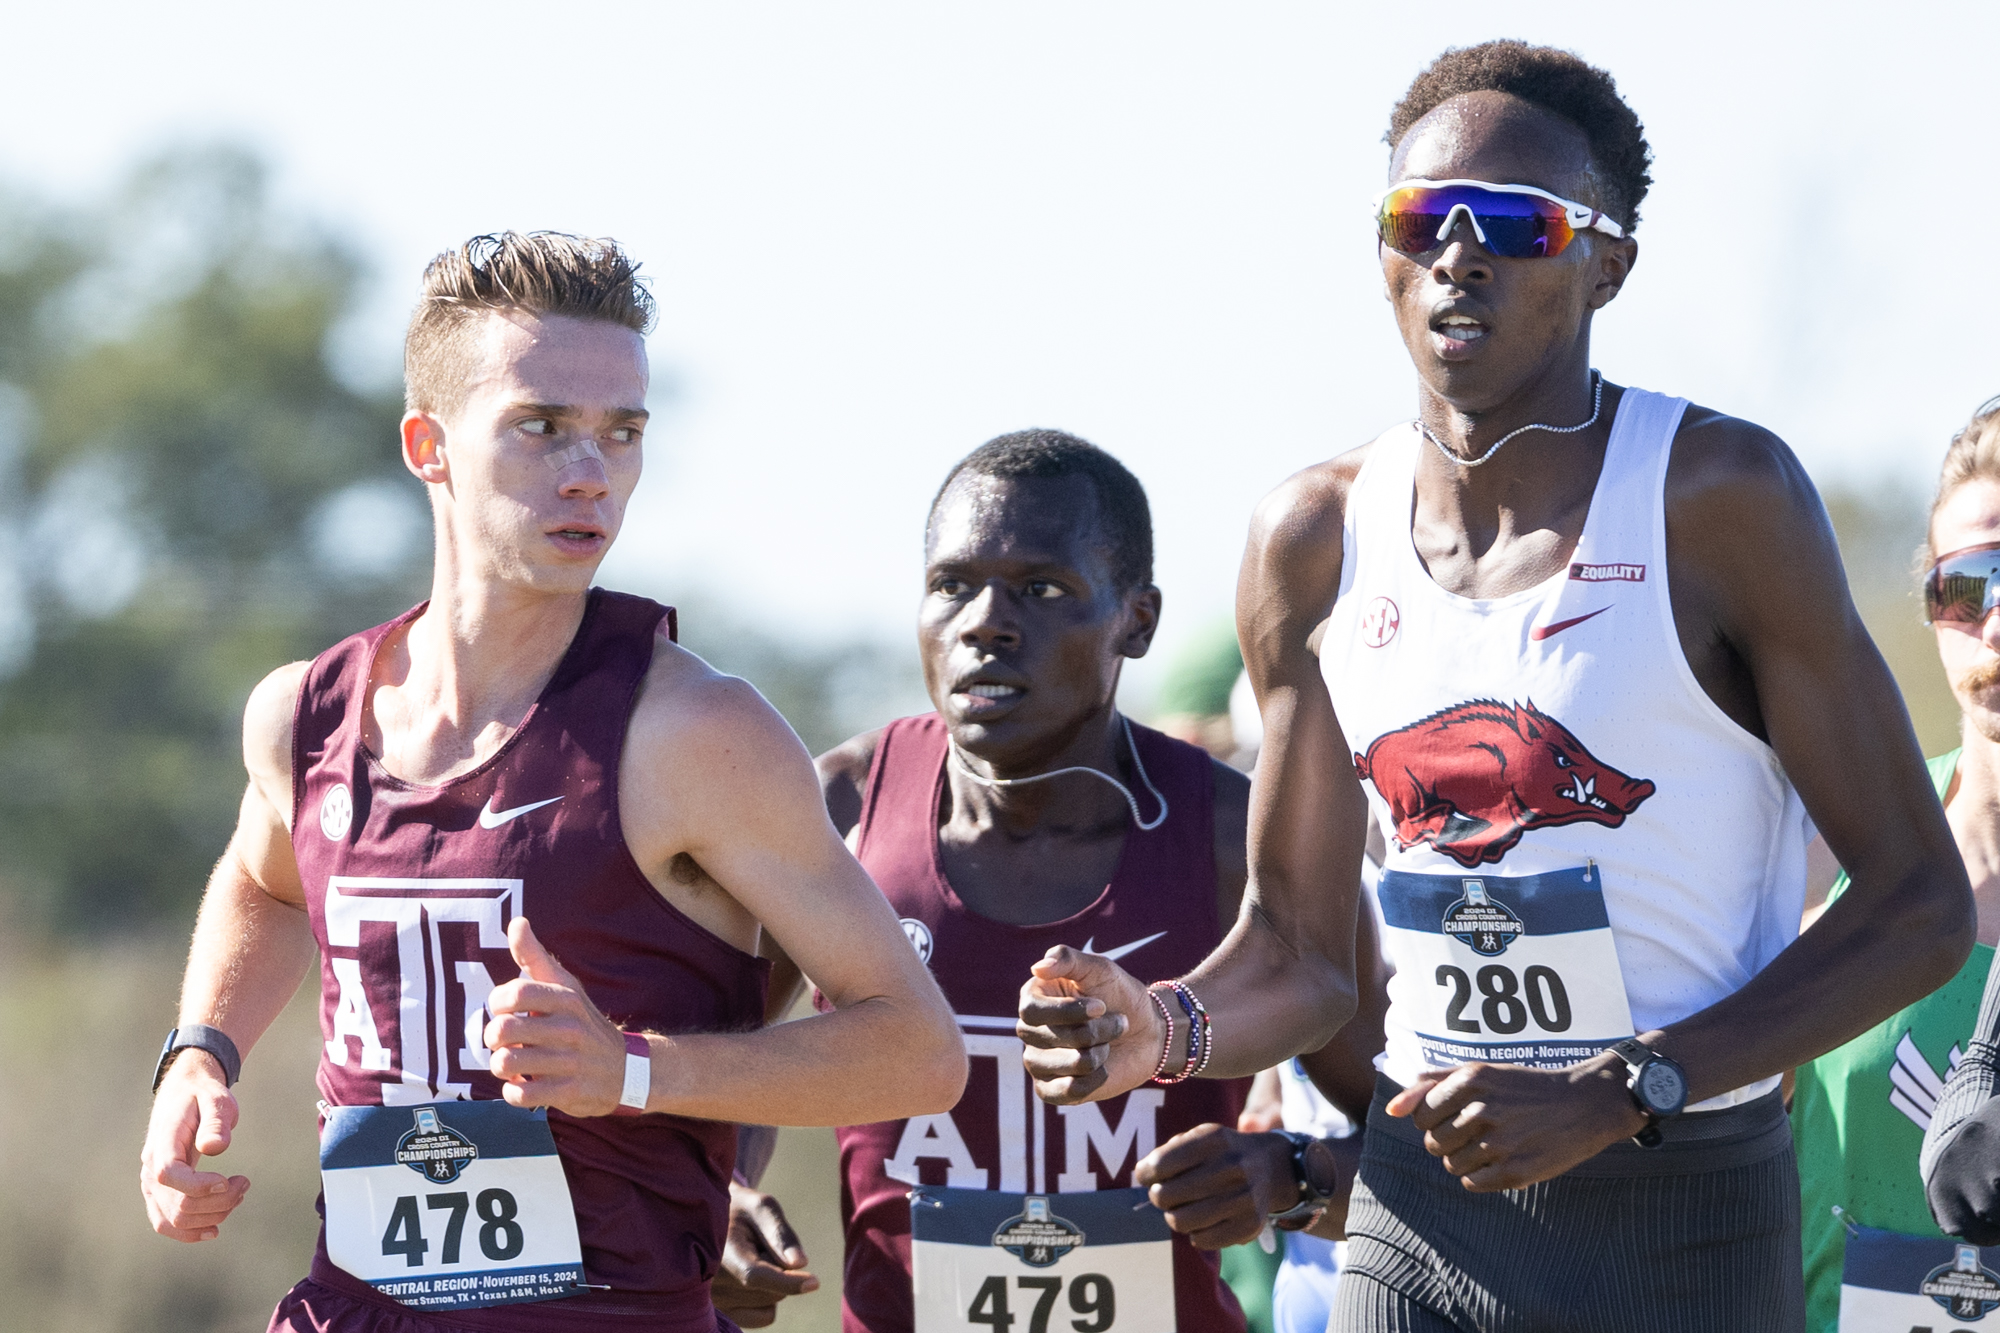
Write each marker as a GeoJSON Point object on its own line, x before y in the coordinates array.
{"type": "Point", "coordinates": [983, 1261]}
{"type": "Point", "coordinates": [449, 1206]}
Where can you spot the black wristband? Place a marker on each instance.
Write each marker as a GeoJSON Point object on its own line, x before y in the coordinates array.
{"type": "Point", "coordinates": [205, 1038]}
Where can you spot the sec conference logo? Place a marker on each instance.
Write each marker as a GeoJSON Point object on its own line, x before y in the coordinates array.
{"type": "Point", "coordinates": [920, 937]}
{"type": "Point", "coordinates": [336, 811]}
{"type": "Point", "coordinates": [1379, 622]}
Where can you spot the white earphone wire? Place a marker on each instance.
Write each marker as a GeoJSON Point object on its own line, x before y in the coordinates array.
{"type": "Point", "coordinates": [1123, 790]}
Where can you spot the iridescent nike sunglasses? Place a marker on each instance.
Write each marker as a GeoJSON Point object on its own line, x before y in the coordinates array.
{"type": "Point", "coordinates": [1512, 221]}
{"type": "Point", "coordinates": [1963, 587]}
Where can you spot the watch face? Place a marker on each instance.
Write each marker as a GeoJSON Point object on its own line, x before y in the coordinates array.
{"type": "Point", "coordinates": [1662, 1087]}
{"type": "Point", "coordinates": [1322, 1173]}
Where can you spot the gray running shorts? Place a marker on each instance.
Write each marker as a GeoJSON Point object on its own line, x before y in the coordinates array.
{"type": "Point", "coordinates": [1698, 1235]}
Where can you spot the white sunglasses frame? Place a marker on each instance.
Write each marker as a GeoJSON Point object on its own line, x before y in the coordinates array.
{"type": "Point", "coordinates": [1581, 217]}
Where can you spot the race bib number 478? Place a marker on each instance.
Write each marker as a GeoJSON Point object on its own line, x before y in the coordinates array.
{"type": "Point", "coordinates": [450, 1206]}
{"type": "Point", "coordinates": [983, 1261]}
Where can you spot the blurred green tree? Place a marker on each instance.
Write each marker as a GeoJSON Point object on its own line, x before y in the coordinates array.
{"type": "Point", "coordinates": [189, 495]}
{"type": "Point", "coordinates": [1881, 528]}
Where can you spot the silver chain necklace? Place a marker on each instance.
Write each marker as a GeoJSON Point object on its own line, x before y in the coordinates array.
{"type": "Point", "coordinates": [1596, 406]}
{"type": "Point", "coordinates": [1123, 790]}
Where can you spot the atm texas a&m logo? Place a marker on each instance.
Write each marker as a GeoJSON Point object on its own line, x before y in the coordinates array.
{"type": "Point", "coordinates": [1470, 780]}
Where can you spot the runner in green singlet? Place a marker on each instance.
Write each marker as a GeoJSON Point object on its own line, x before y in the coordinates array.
{"type": "Point", "coordinates": [1859, 1112]}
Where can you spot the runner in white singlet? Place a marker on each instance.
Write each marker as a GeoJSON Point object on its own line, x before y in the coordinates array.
{"type": "Point", "coordinates": [1550, 777]}
{"type": "Point", "coordinates": [1590, 653]}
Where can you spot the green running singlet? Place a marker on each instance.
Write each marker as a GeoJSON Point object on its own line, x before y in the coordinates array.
{"type": "Point", "coordinates": [1859, 1113]}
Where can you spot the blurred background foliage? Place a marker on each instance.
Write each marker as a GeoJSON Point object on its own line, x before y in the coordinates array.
{"type": "Point", "coordinates": [191, 493]}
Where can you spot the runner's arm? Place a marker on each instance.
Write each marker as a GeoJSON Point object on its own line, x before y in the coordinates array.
{"type": "Point", "coordinates": [252, 945]}
{"type": "Point", "coordinates": [1836, 721]}
{"type": "Point", "coordinates": [1217, 1186]}
{"type": "Point", "coordinates": [1282, 980]}
{"type": "Point", "coordinates": [842, 772]}
{"type": "Point", "coordinates": [1961, 1155]}
{"type": "Point", "coordinates": [762, 1261]}
{"type": "Point", "coordinates": [756, 1143]}
{"type": "Point", "coordinates": [1344, 1069]}
{"type": "Point", "coordinates": [722, 780]}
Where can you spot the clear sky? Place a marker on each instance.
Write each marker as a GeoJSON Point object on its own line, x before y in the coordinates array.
{"type": "Point", "coordinates": [882, 232]}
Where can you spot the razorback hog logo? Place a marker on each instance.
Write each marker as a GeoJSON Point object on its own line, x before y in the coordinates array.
{"type": "Point", "coordinates": [1472, 779]}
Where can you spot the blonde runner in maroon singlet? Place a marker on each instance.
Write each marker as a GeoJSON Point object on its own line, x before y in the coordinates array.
{"type": "Point", "coordinates": [1158, 911]}
{"type": "Point", "coordinates": [411, 889]}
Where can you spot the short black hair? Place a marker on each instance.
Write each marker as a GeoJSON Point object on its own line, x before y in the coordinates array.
{"type": "Point", "coordinates": [1125, 520]}
{"type": "Point", "coordinates": [1559, 82]}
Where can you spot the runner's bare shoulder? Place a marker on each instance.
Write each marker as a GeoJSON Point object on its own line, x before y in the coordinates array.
{"type": "Point", "coordinates": [843, 777]}
{"type": "Point", "coordinates": [1738, 505]}
{"type": "Point", "coordinates": [267, 734]}
{"type": "Point", "coordinates": [710, 727]}
{"type": "Point", "coordinates": [1727, 469]}
{"type": "Point", "coordinates": [1292, 565]}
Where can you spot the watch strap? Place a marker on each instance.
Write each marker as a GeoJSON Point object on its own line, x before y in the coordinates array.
{"type": "Point", "coordinates": [1298, 1217]}
{"type": "Point", "coordinates": [1632, 1051]}
{"type": "Point", "coordinates": [201, 1037]}
{"type": "Point", "coordinates": [1638, 1055]}
{"type": "Point", "coordinates": [1309, 1200]}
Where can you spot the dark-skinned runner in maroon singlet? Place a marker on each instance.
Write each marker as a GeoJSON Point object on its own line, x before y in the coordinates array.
{"type": "Point", "coordinates": [521, 1123]}
{"type": "Point", "coordinates": [1506, 1192]}
{"type": "Point", "coordinates": [1038, 588]}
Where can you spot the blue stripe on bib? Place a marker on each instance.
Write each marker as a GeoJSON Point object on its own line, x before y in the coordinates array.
{"type": "Point", "coordinates": [1557, 903]}
{"type": "Point", "coordinates": [361, 1136]}
{"type": "Point", "coordinates": [970, 1217]}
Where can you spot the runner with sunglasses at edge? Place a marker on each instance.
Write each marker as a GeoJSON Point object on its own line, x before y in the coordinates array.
{"type": "Point", "coordinates": [1873, 1256]}
{"type": "Point", "coordinates": [523, 1125]}
{"type": "Point", "coordinates": [1961, 1151]}
{"type": "Point", "coordinates": [1589, 652]}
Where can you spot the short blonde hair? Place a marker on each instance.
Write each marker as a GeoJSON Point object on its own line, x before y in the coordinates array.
{"type": "Point", "coordinates": [540, 273]}
{"type": "Point", "coordinates": [1974, 455]}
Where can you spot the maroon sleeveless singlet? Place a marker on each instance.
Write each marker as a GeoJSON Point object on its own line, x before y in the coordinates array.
{"type": "Point", "coordinates": [1157, 916]}
{"type": "Point", "coordinates": [410, 890]}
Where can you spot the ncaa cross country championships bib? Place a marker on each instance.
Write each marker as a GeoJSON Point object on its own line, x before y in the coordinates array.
{"type": "Point", "coordinates": [1093, 1262]}
{"type": "Point", "coordinates": [450, 1205]}
{"type": "Point", "coordinates": [1892, 1283]}
{"type": "Point", "coordinates": [1511, 969]}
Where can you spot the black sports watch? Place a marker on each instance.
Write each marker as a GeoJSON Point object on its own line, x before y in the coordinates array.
{"type": "Point", "coordinates": [203, 1038]}
{"type": "Point", "coordinates": [1318, 1175]}
{"type": "Point", "coordinates": [1659, 1087]}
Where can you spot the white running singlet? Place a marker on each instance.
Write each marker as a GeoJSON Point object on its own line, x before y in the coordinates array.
{"type": "Point", "coordinates": [1581, 844]}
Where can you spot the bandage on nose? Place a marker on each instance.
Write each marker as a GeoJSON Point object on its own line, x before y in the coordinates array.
{"type": "Point", "coordinates": [562, 458]}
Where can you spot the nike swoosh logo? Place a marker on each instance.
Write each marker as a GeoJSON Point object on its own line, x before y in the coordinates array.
{"type": "Point", "coordinates": [1540, 632]}
{"type": "Point", "coordinates": [491, 818]}
{"type": "Point", "coordinates": [1089, 946]}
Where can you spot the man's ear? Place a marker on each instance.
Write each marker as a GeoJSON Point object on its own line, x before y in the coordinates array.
{"type": "Point", "coordinates": [1142, 611]}
{"type": "Point", "coordinates": [1614, 261]}
{"type": "Point", "coordinates": [423, 447]}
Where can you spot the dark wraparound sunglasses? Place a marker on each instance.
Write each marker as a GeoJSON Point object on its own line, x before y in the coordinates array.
{"type": "Point", "coordinates": [1963, 587]}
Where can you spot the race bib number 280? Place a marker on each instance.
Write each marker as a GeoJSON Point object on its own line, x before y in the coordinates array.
{"type": "Point", "coordinates": [449, 1206]}
{"type": "Point", "coordinates": [1513, 969]}
{"type": "Point", "coordinates": [984, 1261]}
